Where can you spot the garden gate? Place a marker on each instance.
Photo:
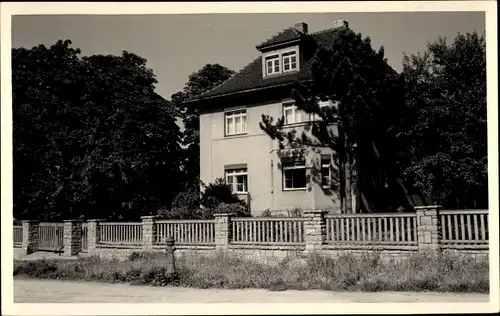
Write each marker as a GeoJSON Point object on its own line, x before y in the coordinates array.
{"type": "Point", "coordinates": [51, 237]}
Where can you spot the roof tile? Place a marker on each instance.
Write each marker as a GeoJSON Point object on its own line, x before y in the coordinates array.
{"type": "Point", "coordinates": [284, 36]}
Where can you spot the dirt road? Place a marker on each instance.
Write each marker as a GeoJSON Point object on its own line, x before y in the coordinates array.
{"type": "Point", "coordinates": [46, 291]}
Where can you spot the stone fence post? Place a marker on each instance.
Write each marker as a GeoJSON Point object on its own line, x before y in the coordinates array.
{"type": "Point", "coordinates": [93, 235]}
{"type": "Point", "coordinates": [170, 255]}
{"type": "Point", "coordinates": [428, 227]}
{"type": "Point", "coordinates": [314, 230]}
{"type": "Point", "coordinates": [223, 230]}
{"type": "Point", "coordinates": [72, 237]}
{"type": "Point", "coordinates": [30, 236]}
{"type": "Point", "coordinates": [148, 232]}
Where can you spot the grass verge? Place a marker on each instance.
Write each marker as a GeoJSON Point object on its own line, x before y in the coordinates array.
{"type": "Point", "coordinates": [420, 272]}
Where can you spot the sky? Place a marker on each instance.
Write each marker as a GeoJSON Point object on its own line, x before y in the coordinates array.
{"type": "Point", "coordinates": [177, 45]}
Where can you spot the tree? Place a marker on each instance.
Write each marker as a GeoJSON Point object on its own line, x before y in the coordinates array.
{"type": "Point", "coordinates": [205, 79]}
{"type": "Point", "coordinates": [366, 91]}
{"type": "Point", "coordinates": [443, 139]}
{"type": "Point", "coordinates": [91, 137]}
{"type": "Point", "coordinates": [44, 85]}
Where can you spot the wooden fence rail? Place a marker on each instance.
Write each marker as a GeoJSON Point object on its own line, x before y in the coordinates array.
{"type": "Point", "coordinates": [188, 232]}
{"type": "Point", "coordinates": [18, 236]}
{"type": "Point", "coordinates": [377, 229]}
{"type": "Point", "coordinates": [286, 230]}
{"type": "Point", "coordinates": [464, 228]}
{"type": "Point", "coordinates": [120, 233]}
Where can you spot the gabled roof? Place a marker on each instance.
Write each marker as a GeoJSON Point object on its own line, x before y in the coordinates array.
{"type": "Point", "coordinates": [250, 77]}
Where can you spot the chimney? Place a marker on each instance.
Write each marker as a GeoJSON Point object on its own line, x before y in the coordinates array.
{"type": "Point", "coordinates": [301, 27]}
{"type": "Point", "coordinates": [340, 23]}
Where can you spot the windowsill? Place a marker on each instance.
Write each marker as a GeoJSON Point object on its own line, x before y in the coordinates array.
{"type": "Point", "coordinates": [297, 189]}
{"type": "Point", "coordinates": [273, 75]}
{"type": "Point", "coordinates": [241, 193]}
{"type": "Point", "coordinates": [303, 124]}
{"type": "Point", "coordinates": [281, 73]}
{"type": "Point", "coordinates": [236, 135]}
{"type": "Point", "coordinates": [297, 124]}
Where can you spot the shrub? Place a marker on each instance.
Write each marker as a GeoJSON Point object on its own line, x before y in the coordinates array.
{"type": "Point", "coordinates": [237, 209]}
{"type": "Point", "coordinates": [295, 212]}
{"type": "Point", "coordinates": [217, 197]}
{"type": "Point", "coordinates": [219, 192]}
{"type": "Point", "coordinates": [267, 213]}
{"type": "Point", "coordinates": [185, 205]}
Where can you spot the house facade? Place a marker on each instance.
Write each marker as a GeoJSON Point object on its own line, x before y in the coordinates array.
{"type": "Point", "coordinates": [234, 147]}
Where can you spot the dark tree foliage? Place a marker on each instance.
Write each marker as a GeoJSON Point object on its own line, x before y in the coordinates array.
{"type": "Point", "coordinates": [91, 138]}
{"type": "Point", "coordinates": [205, 79]}
{"type": "Point", "coordinates": [442, 142]}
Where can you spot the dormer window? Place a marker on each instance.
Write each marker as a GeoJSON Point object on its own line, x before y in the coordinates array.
{"type": "Point", "coordinates": [289, 61]}
{"type": "Point", "coordinates": [273, 64]}
{"type": "Point", "coordinates": [280, 61]}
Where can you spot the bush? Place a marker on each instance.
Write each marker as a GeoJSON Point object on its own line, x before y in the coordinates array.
{"type": "Point", "coordinates": [216, 198]}
{"type": "Point", "coordinates": [420, 272]}
{"type": "Point", "coordinates": [186, 205]}
{"type": "Point", "coordinates": [295, 212]}
{"type": "Point", "coordinates": [267, 213]}
{"type": "Point", "coordinates": [237, 209]}
{"type": "Point", "coordinates": [217, 193]}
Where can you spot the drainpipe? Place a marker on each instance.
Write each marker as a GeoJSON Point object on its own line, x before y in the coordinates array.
{"type": "Point", "coordinates": [273, 198]}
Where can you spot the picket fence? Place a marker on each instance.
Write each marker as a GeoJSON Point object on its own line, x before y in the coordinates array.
{"type": "Point", "coordinates": [459, 229]}
{"type": "Point", "coordinates": [377, 229]}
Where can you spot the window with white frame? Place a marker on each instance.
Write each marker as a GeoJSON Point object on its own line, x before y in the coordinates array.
{"type": "Point", "coordinates": [292, 114]}
{"type": "Point", "coordinates": [322, 105]}
{"type": "Point", "coordinates": [294, 175]}
{"type": "Point", "coordinates": [236, 122]}
{"type": "Point", "coordinates": [237, 179]}
{"type": "Point", "coordinates": [289, 61]}
{"type": "Point", "coordinates": [272, 64]}
{"type": "Point", "coordinates": [326, 176]}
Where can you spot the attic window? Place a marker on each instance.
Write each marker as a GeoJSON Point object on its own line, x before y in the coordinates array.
{"type": "Point", "coordinates": [289, 61]}
{"type": "Point", "coordinates": [280, 61]}
{"type": "Point", "coordinates": [272, 64]}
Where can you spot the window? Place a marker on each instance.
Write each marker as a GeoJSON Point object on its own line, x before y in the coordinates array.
{"type": "Point", "coordinates": [322, 106]}
{"type": "Point", "coordinates": [294, 175]}
{"type": "Point", "coordinates": [292, 114]}
{"type": "Point", "coordinates": [280, 62]}
{"type": "Point", "coordinates": [289, 61]}
{"type": "Point", "coordinates": [326, 177]}
{"type": "Point", "coordinates": [272, 64]}
{"type": "Point", "coordinates": [238, 180]}
{"type": "Point", "coordinates": [236, 122]}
